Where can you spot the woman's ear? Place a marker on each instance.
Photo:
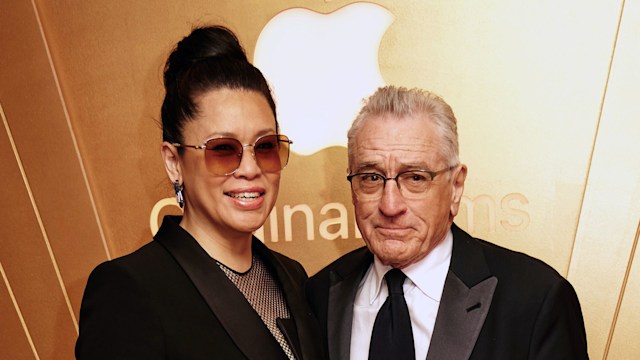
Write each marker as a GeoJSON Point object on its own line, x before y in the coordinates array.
{"type": "Point", "coordinates": [459, 177]}
{"type": "Point", "coordinates": [171, 160]}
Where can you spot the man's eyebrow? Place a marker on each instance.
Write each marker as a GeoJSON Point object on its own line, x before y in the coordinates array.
{"type": "Point", "coordinates": [420, 165]}
{"type": "Point", "coordinates": [366, 166]}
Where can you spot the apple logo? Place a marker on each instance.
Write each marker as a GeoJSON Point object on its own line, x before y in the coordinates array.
{"type": "Point", "coordinates": [320, 67]}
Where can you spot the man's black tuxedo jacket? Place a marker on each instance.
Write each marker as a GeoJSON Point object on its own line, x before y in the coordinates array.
{"type": "Point", "coordinates": [496, 304]}
{"type": "Point", "coordinates": [170, 300]}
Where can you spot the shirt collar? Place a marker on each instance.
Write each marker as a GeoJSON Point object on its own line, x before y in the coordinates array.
{"type": "Point", "coordinates": [427, 275]}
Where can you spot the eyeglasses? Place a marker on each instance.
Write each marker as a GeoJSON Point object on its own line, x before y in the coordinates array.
{"type": "Point", "coordinates": [413, 184]}
{"type": "Point", "coordinates": [223, 155]}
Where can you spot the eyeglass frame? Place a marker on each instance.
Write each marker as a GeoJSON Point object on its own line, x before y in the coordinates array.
{"type": "Point", "coordinates": [204, 147]}
{"type": "Point", "coordinates": [431, 173]}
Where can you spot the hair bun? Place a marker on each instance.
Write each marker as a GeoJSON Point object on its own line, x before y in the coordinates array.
{"type": "Point", "coordinates": [202, 43]}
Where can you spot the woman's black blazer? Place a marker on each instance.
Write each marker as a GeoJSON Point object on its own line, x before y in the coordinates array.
{"type": "Point", "coordinates": [170, 300]}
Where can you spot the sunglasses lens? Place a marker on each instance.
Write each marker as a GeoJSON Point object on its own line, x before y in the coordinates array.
{"type": "Point", "coordinates": [223, 155]}
{"type": "Point", "coordinates": [272, 152]}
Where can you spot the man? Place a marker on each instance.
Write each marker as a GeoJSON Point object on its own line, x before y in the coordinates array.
{"type": "Point", "coordinates": [466, 298]}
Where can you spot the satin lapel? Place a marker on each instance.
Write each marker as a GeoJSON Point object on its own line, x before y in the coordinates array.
{"type": "Point", "coordinates": [241, 322]}
{"type": "Point", "coordinates": [465, 301]}
{"type": "Point", "coordinates": [342, 293]}
{"type": "Point", "coordinates": [302, 328]}
{"type": "Point", "coordinates": [460, 317]}
{"type": "Point", "coordinates": [290, 332]}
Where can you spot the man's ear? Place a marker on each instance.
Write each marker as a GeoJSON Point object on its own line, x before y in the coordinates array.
{"type": "Point", "coordinates": [171, 162]}
{"type": "Point", "coordinates": [459, 176]}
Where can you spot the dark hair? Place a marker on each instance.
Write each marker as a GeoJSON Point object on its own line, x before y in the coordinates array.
{"type": "Point", "coordinates": [209, 58]}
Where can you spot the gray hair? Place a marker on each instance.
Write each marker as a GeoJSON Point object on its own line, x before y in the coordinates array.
{"type": "Point", "coordinates": [402, 102]}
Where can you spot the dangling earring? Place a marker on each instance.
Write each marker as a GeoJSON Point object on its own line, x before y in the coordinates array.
{"type": "Point", "coordinates": [178, 189]}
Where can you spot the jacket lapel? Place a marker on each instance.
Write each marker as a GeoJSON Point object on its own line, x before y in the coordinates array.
{"type": "Point", "coordinates": [465, 301]}
{"type": "Point", "coordinates": [234, 312]}
{"type": "Point", "coordinates": [342, 292]}
{"type": "Point", "coordinates": [460, 317]}
{"type": "Point", "coordinates": [301, 331]}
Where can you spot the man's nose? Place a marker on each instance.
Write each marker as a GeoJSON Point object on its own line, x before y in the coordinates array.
{"type": "Point", "coordinates": [392, 203]}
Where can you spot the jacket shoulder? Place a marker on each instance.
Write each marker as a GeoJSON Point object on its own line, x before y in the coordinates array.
{"type": "Point", "coordinates": [146, 260]}
{"type": "Point", "coordinates": [517, 265]}
{"type": "Point", "coordinates": [342, 267]}
{"type": "Point", "coordinates": [471, 254]}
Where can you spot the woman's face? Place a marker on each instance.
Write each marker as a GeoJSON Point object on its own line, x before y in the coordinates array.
{"type": "Point", "coordinates": [233, 204]}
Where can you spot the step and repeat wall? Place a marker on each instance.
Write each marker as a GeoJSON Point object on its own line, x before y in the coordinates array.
{"type": "Point", "coordinates": [546, 95]}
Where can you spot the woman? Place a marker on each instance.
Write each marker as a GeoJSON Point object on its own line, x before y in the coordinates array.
{"type": "Point", "coordinates": [205, 288]}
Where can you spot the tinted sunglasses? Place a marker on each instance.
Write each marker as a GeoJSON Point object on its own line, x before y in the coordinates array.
{"type": "Point", "coordinates": [223, 155]}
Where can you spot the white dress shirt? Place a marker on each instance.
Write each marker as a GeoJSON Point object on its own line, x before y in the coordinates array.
{"type": "Point", "coordinates": [422, 291]}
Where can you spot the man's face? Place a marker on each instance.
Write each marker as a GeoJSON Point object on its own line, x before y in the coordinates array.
{"type": "Point", "coordinates": [402, 231]}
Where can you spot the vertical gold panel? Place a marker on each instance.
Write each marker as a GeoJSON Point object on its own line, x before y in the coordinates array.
{"type": "Point", "coordinates": [50, 238]}
{"type": "Point", "coordinates": [611, 210]}
{"type": "Point", "coordinates": [624, 334]}
{"type": "Point", "coordinates": [45, 144]}
{"type": "Point", "coordinates": [28, 267]}
{"type": "Point", "coordinates": [15, 339]}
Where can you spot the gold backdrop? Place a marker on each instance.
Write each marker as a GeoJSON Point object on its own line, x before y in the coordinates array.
{"type": "Point", "coordinates": [546, 94]}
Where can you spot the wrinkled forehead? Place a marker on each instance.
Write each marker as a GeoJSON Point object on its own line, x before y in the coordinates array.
{"type": "Point", "coordinates": [388, 141]}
